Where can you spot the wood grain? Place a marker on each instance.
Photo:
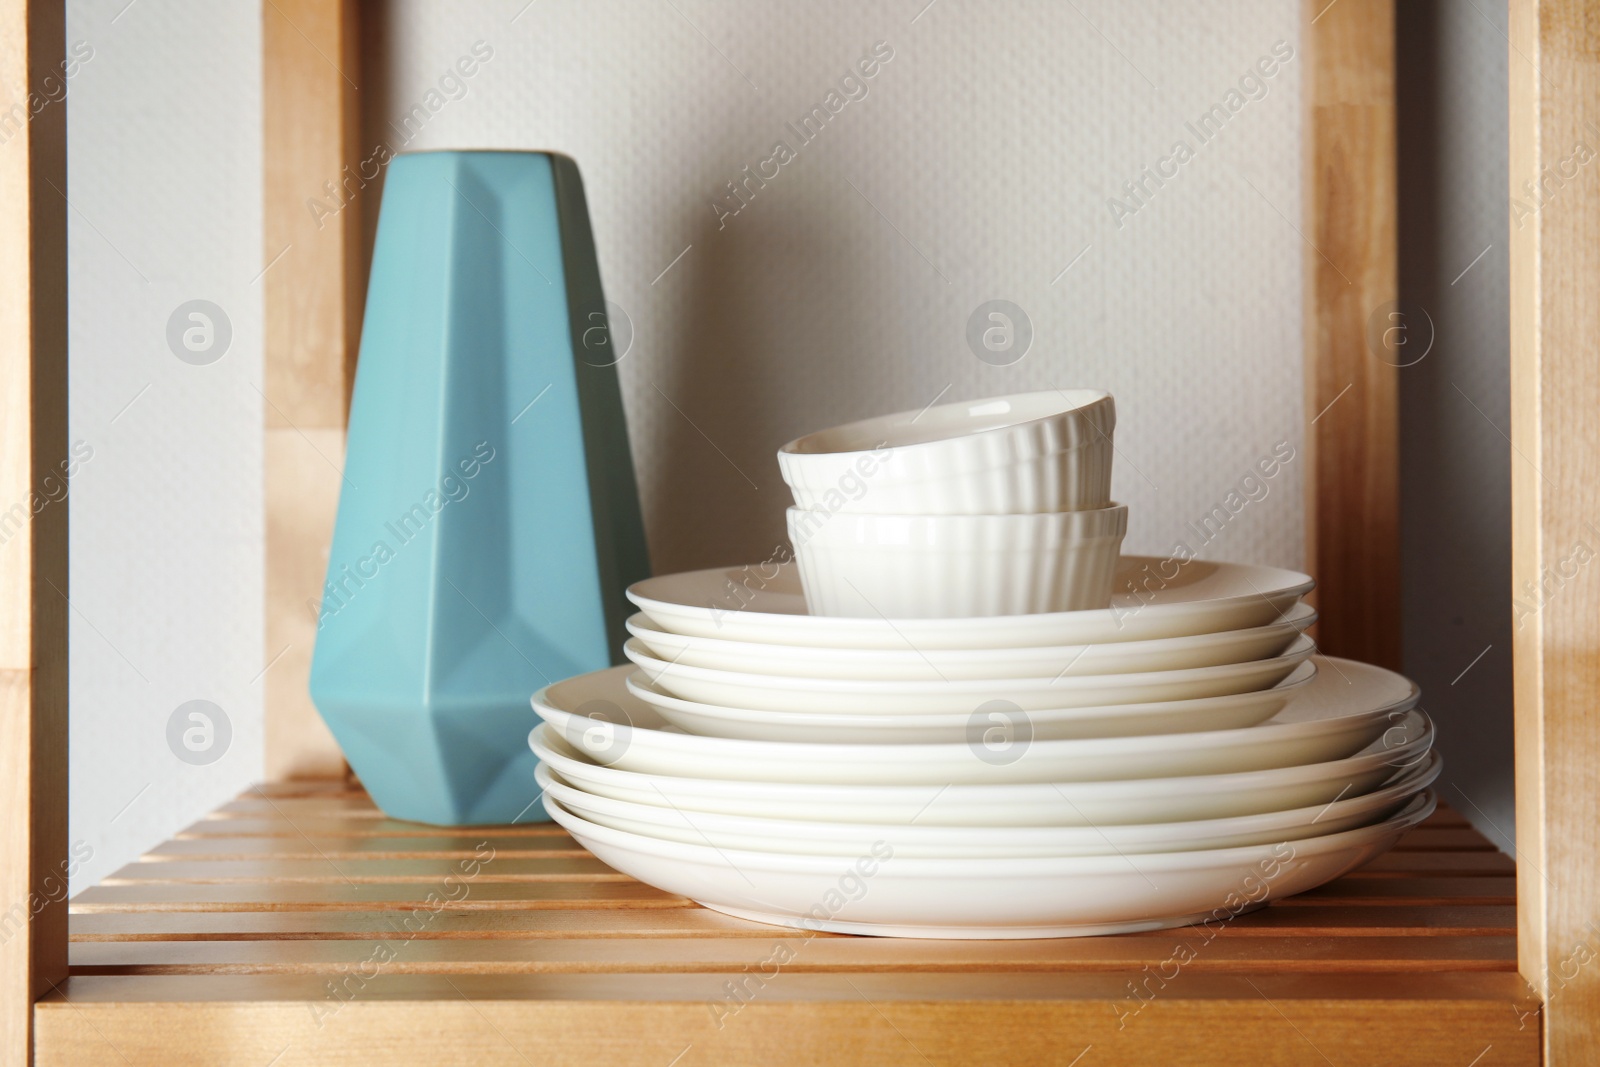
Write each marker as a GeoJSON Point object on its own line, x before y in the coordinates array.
{"type": "Point", "coordinates": [1554, 70]}
{"type": "Point", "coordinates": [879, 1019]}
{"type": "Point", "coordinates": [33, 513]}
{"type": "Point", "coordinates": [315, 276]}
{"type": "Point", "coordinates": [1351, 272]}
{"type": "Point", "coordinates": [1410, 959]}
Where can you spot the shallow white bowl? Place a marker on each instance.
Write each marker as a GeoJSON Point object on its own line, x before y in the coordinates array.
{"type": "Point", "coordinates": [1229, 712]}
{"type": "Point", "coordinates": [1029, 453]}
{"type": "Point", "coordinates": [773, 692]}
{"type": "Point", "coordinates": [1137, 800]}
{"type": "Point", "coordinates": [1151, 598]}
{"type": "Point", "coordinates": [797, 837]}
{"type": "Point", "coordinates": [879, 892]}
{"type": "Point", "coordinates": [910, 664]}
{"type": "Point", "coordinates": [1349, 706]}
{"type": "Point", "coordinates": [957, 566]}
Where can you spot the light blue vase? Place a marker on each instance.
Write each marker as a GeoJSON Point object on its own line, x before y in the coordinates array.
{"type": "Point", "coordinates": [489, 521]}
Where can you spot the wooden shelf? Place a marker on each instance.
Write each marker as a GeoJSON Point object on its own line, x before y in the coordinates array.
{"type": "Point", "coordinates": [295, 925]}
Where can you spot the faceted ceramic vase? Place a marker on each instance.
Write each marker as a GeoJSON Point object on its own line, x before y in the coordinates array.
{"type": "Point", "coordinates": [489, 521]}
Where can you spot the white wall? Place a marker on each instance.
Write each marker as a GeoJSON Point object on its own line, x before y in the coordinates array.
{"type": "Point", "coordinates": [164, 179]}
{"type": "Point", "coordinates": [978, 166]}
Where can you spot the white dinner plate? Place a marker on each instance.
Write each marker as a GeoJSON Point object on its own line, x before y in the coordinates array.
{"type": "Point", "coordinates": [775, 692]}
{"type": "Point", "coordinates": [1118, 720]}
{"type": "Point", "coordinates": [936, 664]}
{"type": "Point", "coordinates": [880, 892]}
{"type": "Point", "coordinates": [1098, 803]}
{"type": "Point", "coordinates": [1151, 598]}
{"type": "Point", "coordinates": [798, 837]}
{"type": "Point", "coordinates": [1347, 707]}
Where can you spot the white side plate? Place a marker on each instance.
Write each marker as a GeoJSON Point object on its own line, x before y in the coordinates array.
{"type": "Point", "coordinates": [1152, 598]}
{"type": "Point", "coordinates": [909, 664]}
{"type": "Point", "coordinates": [1118, 720]}
{"type": "Point", "coordinates": [773, 692]}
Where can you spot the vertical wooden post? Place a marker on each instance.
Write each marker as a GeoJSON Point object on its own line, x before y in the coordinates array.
{"type": "Point", "coordinates": [314, 245]}
{"type": "Point", "coordinates": [1352, 276]}
{"type": "Point", "coordinates": [1555, 490]}
{"type": "Point", "coordinates": [33, 528]}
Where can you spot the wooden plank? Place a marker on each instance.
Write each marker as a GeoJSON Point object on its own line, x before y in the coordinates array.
{"type": "Point", "coordinates": [1202, 1020]}
{"type": "Point", "coordinates": [1554, 70]}
{"type": "Point", "coordinates": [400, 954]}
{"type": "Point", "coordinates": [314, 280]}
{"type": "Point", "coordinates": [464, 846]}
{"type": "Point", "coordinates": [594, 892]}
{"type": "Point", "coordinates": [359, 826]}
{"type": "Point", "coordinates": [1312, 921]}
{"type": "Point", "coordinates": [33, 513]}
{"type": "Point", "coordinates": [1351, 269]}
{"type": "Point", "coordinates": [1383, 891]}
{"type": "Point", "coordinates": [343, 873]}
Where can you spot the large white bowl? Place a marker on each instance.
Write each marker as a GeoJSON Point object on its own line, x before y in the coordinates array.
{"type": "Point", "coordinates": [1348, 707]}
{"type": "Point", "coordinates": [773, 692]}
{"type": "Point", "coordinates": [880, 892]}
{"type": "Point", "coordinates": [1029, 453]}
{"type": "Point", "coordinates": [1229, 712]}
{"type": "Point", "coordinates": [957, 566]}
{"type": "Point", "coordinates": [1136, 800]}
{"type": "Point", "coordinates": [798, 837]}
{"type": "Point", "coordinates": [910, 664]}
{"type": "Point", "coordinates": [1151, 598]}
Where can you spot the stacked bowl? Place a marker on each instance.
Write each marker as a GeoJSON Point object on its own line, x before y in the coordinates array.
{"type": "Point", "coordinates": [989, 507]}
{"type": "Point", "coordinates": [1172, 752]}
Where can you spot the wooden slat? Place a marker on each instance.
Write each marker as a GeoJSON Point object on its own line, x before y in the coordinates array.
{"type": "Point", "coordinates": [315, 276]}
{"type": "Point", "coordinates": [295, 846]}
{"type": "Point", "coordinates": [357, 826]}
{"type": "Point", "coordinates": [497, 869]}
{"type": "Point", "coordinates": [1554, 71]}
{"type": "Point", "coordinates": [1352, 270]}
{"type": "Point", "coordinates": [33, 513]}
{"type": "Point", "coordinates": [1311, 921]}
{"type": "Point", "coordinates": [592, 892]}
{"type": "Point", "coordinates": [854, 955]}
{"type": "Point", "coordinates": [898, 1019]}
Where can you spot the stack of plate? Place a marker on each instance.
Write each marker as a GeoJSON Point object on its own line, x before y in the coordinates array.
{"type": "Point", "coordinates": [1178, 756]}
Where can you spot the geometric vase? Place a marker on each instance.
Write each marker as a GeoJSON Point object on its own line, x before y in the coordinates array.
{"type": "Point", "coordinates": [489, 520]}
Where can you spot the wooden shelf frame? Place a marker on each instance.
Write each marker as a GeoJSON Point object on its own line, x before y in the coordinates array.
{"type": "Point", "coordinates": [219, 946]}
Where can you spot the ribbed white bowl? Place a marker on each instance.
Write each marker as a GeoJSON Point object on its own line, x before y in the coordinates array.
{"type": "Point", "coordinates": [942, 566]}
{"type": "Point", "coordinates": [1030, 453]}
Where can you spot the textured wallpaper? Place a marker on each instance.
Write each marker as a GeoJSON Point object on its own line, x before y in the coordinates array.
{"type": "Point", "coordinates": [808, 213]}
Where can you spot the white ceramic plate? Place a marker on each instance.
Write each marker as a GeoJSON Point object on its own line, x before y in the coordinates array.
{"type": "Point", "coordinates": [1114, 803]}
{"type": "Point", "coordinates": [880, 892]}
{"type": "Point", "coordinates": [907, 664]}
{"type": "Point", "coordinates": [1348, 707]}
{"type": "Point", "coordinates": [774, 692]}
{"type": "Point", "coordinates": [1152, 597]}
{"type": "Point", "coordinates": [1118, 720]}
{"type": "Point", "coordinates": [796, 837]}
